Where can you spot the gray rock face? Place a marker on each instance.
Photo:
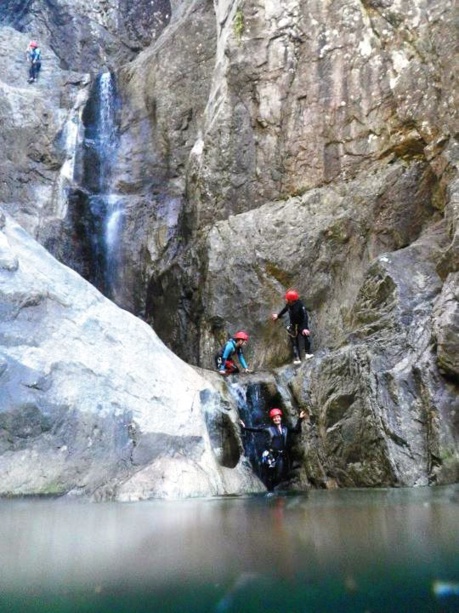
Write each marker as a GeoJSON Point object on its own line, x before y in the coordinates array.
{"type": "Point", "coordinates": [38, 136]}
{"type": "Point", "coordinates": [262, 146]}
{"type": "Point", "coordinates": [92, 403]}
{"type": "Point", "coordinates": [446, 326]}
{"type": "Point", "coordinates": [305, 94]}
{"type": "Point", "coordinates": [86, 35]}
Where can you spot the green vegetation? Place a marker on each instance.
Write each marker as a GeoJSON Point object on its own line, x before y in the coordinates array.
{"type": "Point", "coordinates": [238, 24]}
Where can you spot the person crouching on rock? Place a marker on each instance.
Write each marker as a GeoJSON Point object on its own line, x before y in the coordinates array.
{"type": "Point", "coordinates": [298, 328]}
{"type": "Point", "coordinates": [224, 358]}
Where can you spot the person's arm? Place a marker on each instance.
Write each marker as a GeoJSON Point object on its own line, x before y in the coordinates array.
{"type": "Point", "coordinates": [251, 429]}
{"type": "Point", "coordinates": [297, 428]}
{"type": "Point", "coordinates": [304, 325]}
{"type": "Point", "coordinates": [282, 312]}
{"type": "Point", "coordinates": [241, 358]}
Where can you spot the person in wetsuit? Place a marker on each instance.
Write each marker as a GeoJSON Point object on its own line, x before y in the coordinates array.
{"type": "Point", "coordinates": [224, 358]}
{"type": "Point", "coordinates": [33, 55]}
{"type": "Point", "coordinates": [275, 459]}
{"type": "Point", "coordinates": [299, 327]}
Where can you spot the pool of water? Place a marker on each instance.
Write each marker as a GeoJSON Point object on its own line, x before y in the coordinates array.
{"type": "Point", "coordinates": [346, 550]}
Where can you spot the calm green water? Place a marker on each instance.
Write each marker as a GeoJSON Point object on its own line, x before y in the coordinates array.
{"type": "Point", "coordinates": [360, 550]}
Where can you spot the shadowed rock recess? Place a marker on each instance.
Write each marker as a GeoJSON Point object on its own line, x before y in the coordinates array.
{"type": "Point", "coordinates": [259, 146]}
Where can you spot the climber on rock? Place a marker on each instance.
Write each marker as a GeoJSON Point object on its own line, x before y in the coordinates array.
{"type": "Point", "coordinates": [33, 55]}
{"type": "Point", "coordinates": [298, 328]}
{"type": "Point", "coordinates": [275, 459]}
{"type": "Point", "coordinates": [224, 358]}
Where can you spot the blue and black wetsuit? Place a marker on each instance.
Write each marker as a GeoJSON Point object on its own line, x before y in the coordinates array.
{"type": "Point", "coordinates": [226, 363]}
{"type": "Point", "coordinates": [34, 56]}
{"type": "Point", "coordinates": [279, 445]}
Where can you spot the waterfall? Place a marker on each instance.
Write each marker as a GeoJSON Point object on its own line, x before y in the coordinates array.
{"type": "Point", "coordinates": [105, 213]}
{"type": "Point", "coordinates": [70, 141]}
{"type": "Point", "coordinates": [251, 407]}
{"type": "Point", "coordinates": [107, 131]}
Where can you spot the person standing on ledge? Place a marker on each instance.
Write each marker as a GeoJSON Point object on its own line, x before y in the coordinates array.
{"type": "Point", "coordinates": [33, 55]}
{"type": "Point", "coordinates": [224, 358]}
{"type": "Point", "coordinates": [298, 328]}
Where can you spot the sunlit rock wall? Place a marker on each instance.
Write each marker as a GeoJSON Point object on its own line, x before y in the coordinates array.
{"type": "Point", "coordinates": [92, 403]}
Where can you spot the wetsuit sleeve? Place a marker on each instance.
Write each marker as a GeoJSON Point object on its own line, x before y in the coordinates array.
{"type": "Point", "coordinates": [304, 318]}
{"type": "Point", "coordinates": [283, 311]}
{"type": "Point", "coordinates": [249, 429]}
{"type": "Point", "coordinates": [297, 428]}
{"type": "Point", "coordinates": [241, 359]}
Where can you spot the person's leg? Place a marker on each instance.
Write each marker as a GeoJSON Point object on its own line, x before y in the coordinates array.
{"type": "Point", "coordinates": [231, 367]}
{"type": "Point", "coordinates": [307, 347]}
{"type": "Point", "coordinates": [280, 470]}
{"type": "Point", "coordinates": [267, 471]}
{"type": "Point", "coordinates": [296, 349]}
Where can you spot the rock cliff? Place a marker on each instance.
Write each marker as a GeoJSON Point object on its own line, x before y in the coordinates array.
{"type": "Point", "coordinates": [92, 402]}
{"type": "Point", "coordinates": [263, 145]}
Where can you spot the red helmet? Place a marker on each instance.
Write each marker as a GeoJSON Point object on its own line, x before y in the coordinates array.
{"type": "Point", "coordinates": [241, 336]}
{"type": "Point", "coordinates": [291, 294]}
{"type": "Point", "coordinates": [33, 44]}
{"type": "Point", "coordinates": [274, 412]}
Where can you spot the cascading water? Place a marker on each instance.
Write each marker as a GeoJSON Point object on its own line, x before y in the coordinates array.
{"type": "Point", "coordinates": [70, 142]}
{"type": "Point", "coordinates": [104, 210]}
{"type": "Point", "coordinates": [251, 403]}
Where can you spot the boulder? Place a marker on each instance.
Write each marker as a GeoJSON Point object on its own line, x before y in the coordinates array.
{"type": "Point", "coordinates": [92, 403]}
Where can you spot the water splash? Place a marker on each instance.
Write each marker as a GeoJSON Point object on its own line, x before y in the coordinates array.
{"type": "Point", "coordinates": [443, 589]}
{"type": "Point", "coordinates": [113, 224]}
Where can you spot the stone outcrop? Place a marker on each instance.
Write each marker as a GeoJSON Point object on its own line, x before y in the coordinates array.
{"type": "Point", "coordinates": [84, 34]}
{"type": "Point", "coordinates": [93, 403]}
{"type": "Point", "coordinates": [264, 145]}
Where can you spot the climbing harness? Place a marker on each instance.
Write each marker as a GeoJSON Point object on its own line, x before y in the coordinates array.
{"type": "Point", "coordinates": [292, 330]}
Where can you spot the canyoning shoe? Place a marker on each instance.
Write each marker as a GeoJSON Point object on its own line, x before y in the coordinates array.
{"type": "Point", "coordinates": [297, 361]}
{"type": "Point", "coordinates": [308, 356]}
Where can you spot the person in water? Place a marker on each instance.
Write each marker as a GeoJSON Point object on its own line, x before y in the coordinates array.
{"type": "Point", "coordinates": [299, 327]}
{"type": "Point", "coordinates": [224, 358]}
{"type": "Point", "coordinates": [275, 460]}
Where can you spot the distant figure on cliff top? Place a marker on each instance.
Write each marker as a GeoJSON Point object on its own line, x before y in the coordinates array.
{"type": "Point", "coordinates": [224, 358]}
{"type": "Point", "coordinates": [298, 328]}
{"type": "Point", "coordinates": [33, 55]}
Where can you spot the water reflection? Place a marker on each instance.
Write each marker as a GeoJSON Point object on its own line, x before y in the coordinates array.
{"type": "Point", "coordinates": [324, 551]}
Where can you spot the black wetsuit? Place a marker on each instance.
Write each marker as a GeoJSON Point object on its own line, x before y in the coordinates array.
{"type": "Point", "coordinates": [298, 322]}
{"type": "Point", "coordinates": [279, 445]}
